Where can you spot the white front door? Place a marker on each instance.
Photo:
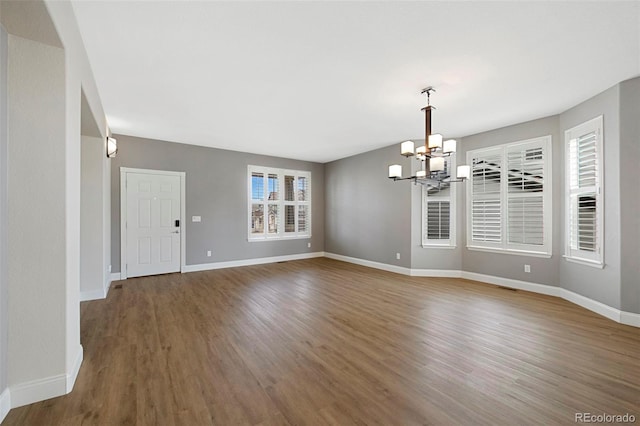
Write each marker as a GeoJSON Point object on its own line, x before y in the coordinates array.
{"type": "Point", "coordinates": [152, 224]}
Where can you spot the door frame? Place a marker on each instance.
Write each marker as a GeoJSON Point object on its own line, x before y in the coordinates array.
{"type": "Point", "coordinates": [123, 214]}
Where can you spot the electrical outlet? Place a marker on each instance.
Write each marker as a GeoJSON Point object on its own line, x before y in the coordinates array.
{"type": "Point", "coordinates": [527, 268]}
{"type": "Point", "coordinates": [398, 256]}
{"type": "Point", "coordinates": [196, 219]}
{"type": "Point", "coordinates": [208, 253]}
{"type": "Point", "coordinates": [308, 245]}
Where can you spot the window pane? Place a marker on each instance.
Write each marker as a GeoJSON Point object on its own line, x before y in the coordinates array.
{"type": "Point", "coordinates": [486, 174]}
{"type": "Point", "coordinates": [302, 218]}
{"type": "Point", "coordinates": [273, 186]}
{"type": "Point", "coordinates": [289, 189]}
{"type": "Point", "coordinates": [444, 190]}
{"type": "Point", "coordinates": [257, 218]}
{"type": "Point", "coordinates": [257, 186]}
{"type": "Point", "coordinates": [289, 218]}
{"type": "Point", "coordinates": [272, 224]}
{"type": "Point", "coordinates": [525, 170]}
{"type": "Point", "coordinates": [302, 188]}
{"type": "Point", "coordinates": [583, 222]}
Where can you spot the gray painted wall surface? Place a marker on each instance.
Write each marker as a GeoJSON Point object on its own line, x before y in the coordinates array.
{"type": "Point", "coordinates": [368, 216]}
{"type": "Point", "coordinates": [3, 210]}
{"type": "Point", "coordinates": [602, 285]}
{"type": "Point", "coordinates": [543, 270]}
{"type": "Point", "coordinates": [630, 194]}
{"type": "Point", "coordinates": [91, 211]}
{"type": "Point", "coordinates": [36, 214]}
{"type": "Point", "coordinates": [216, 190]}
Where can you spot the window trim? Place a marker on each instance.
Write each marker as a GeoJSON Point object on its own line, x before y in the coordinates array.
{"type": "Point", "coordinates": [504, 247]}
{"type": "Point", "coordinates": [451, 242]}
{"type": "Point", "coordinates": [281, 203]}
{"type": "Point", "coordinates": [596, 125]}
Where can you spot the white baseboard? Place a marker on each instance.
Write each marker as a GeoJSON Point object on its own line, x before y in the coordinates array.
{"type": "Point", "coordinates": [628, 318]}
{"type": "Point", "coordinates": [115, 276]}
{"type": "Point", "coordinates": [444, 273]}
{"type": "Point", "coordinates": [5, 404]}
{"type": "Point", "coordinates": [249, 262]}
{"type": "Point", "coordinates": [370, 263]}
{"type": "Point", "coordinates": [75, 369]}
{"type": "Point", "coordinates": [49, 387]}
{"type": "Point", "coordinates": [85, 296]}
{"type": "Point", "coordinates": [592, 305]}
{"type": "Point", "coordinates": [549, 290]}
{"type": "Point", "coordinates": [38, 390]}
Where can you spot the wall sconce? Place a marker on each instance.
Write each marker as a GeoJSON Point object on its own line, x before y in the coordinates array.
{"type": "Point", "coordinates": [112, 147]}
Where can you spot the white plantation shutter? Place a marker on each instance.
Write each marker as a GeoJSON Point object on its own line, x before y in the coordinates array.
{"type": "Point", "coordinates": [279, 203]}
{"type": "Point", "coordinates": [438, 211]}
{"type": "Point", "coordinates": [486, 205]}
{"type": "Point", "coordinates": [525, 194]}
{"type": "Point", "coordinates": [437, 220]}
{"type": "Point", "coordinates": [485, 223]}
{"type": "Point", "coordinates": [510, 201]}
{"type": "Point", "coordinates": [584, 213]}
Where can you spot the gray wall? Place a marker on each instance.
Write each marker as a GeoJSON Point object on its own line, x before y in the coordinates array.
{"type": "Point", "coordinates": [36, 214]}
{"type": "Point", "coordinates": [368, 216]}
{"type": "Point", "coordinates": [602, 285]}
{"type": "Point", "coordinates": [91, 218]}
{"type": "Point", "coordinates": [543, 270]}
{"type": "Point", "coordinates": [630, 194]}
{"type": "Point", "coordinates": [216, 190]}
{"type": "Point", "coordinates": [3, 210]}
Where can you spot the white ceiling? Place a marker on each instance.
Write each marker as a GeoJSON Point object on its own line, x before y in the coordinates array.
{"type": "Point", "coordinates": [320, 81]}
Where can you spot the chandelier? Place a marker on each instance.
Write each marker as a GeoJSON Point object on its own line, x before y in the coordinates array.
{"type": "Point", "coordinates": [433, 171]}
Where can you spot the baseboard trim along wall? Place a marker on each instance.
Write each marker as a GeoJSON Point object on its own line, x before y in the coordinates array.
{"type": "Point", "coordinates": [115, 276]}
{"type": "Point", "coordinates": [38, 390]}
{"type": "Point", "coordinates": [630, 318]}
{"type": "Point", "coordinates": [5, 404]}
{"type": "Point", "coordinates": [370, 263]}
{"type": "Point", "coordinates": [627, 318]}
{"type": "Point", "coordinates": [249, 262]}
{"type": "Point", "coordinates": [47, 388]}
{"type": "Point", "coordinates": [86, 296]}
{"type": "Point", "coordinates": [549, 290]}
{"type": "Point", "coordinates": [73, 374]}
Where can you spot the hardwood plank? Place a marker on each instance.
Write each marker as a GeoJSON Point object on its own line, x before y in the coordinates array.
{"type": "Point", "coordinates": [319, 341]}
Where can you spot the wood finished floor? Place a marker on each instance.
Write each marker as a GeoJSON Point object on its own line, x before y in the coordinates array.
{"type": "Point", "coordinates": [325, 342]}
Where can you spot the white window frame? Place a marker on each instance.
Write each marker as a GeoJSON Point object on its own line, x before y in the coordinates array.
{"type": "Point", "coordinates": [451, 241]}
{"type": "Point", "coordinates": [281, 203]}
{"type": "Point", "coordinates": [544, 250]}
{"type": "Point", "coordinates": [596, 258]}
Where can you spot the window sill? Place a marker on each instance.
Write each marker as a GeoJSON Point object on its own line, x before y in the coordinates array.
{"type": "Point", "coordinates": [593, 263]}
{"type": "Point", "coordinates": [506, 251]}
{"type": "Point", "coordinates": [437, 246]}
{"type": "Point", "coordinates": [267, 239]}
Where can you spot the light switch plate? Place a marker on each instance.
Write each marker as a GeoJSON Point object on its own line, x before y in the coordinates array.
{"type": "Point", "coordinates": [196, 219]}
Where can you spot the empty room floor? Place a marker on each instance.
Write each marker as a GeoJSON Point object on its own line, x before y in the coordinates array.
{"type": "Point", "coordinates": [326, 342]}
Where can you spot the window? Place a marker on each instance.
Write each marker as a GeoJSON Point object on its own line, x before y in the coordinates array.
{"type": "Point", "coordinates": [509, 198]}
{"type": "Point", "coordinates": [438, 211]}
{"type": "Point", "coordinates": [584, 192]}
{"type": "Point", "coordinates": [279, 203]}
